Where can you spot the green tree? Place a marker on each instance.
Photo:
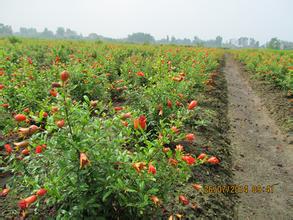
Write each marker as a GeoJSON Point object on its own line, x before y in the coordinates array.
{"type": "Point", "coordinates": [140, 38]}
{"type": "Point", "coordinates": [274, 43]}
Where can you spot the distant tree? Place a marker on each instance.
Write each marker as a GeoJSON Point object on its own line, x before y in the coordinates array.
{"type": "Point", "coordinates": [173, 40]}
{"type": "Point", "coordinates": [140, 38]}
{"type": "Point", "coordinates": [196, 40]}
{"type": "Point", "coordinates": [93, 36]}
{"type": "Point", "coordinates": [47, 33]}
{"type": "Point", "coordinates": [28, 32]}
{"type": "Point", "coordinates": [167, 39]}
{"type": "Point", "coordinates": [243, 41]}
{"type": "Point", "coordinates": [274, 43]}
{"type": "Point", "coordinates": [5, 30]}
{"type": "Point", "coordinates": [219, 41]}
{"type": "Point", "coordinates": [71, 34]}
{"type": "Point", "coordinates": [60, 32]}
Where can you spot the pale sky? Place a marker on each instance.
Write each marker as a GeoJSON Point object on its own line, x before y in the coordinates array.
{"type": "Point", "coordinates": [261, 19]}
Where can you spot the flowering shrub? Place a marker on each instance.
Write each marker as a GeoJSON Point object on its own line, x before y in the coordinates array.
{"type": "Point", "coordinates": [273, 66]}
{"type": "Point", "coordinates": [108, 151]}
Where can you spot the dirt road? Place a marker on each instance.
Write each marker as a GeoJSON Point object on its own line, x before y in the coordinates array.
{"type": "Point", "coordinates": [262, 155]}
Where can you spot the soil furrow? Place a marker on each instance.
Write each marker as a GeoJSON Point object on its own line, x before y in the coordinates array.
{"type": "Point", "coordinates": [262, 156]}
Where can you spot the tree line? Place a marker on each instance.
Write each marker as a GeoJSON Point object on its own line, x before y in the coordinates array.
{"type": "Point", "coordinates": [67, 33]}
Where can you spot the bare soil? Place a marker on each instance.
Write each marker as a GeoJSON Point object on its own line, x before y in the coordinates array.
{"type": "Point", "coordinates": [262, 154]}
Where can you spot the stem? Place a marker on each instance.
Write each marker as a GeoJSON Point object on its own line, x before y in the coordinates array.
{"type": "Point", "coordinates": [66, 112]}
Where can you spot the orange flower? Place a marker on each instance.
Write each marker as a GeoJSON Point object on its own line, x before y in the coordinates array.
{"type": "Point", "coordinates": [202, 156]}
{"type": "Point", "coordinates": [4, 192]}
{"type": "Point", "coordinates": [179, 147]}
{"type": "Point", "coordinates": [183, 200]}
{"type": "Point", "coordinates": [41, 192]}
{"type": "Point", "coordinates": [140, 122]}
{"type": "Point", "coordinates": [20, 117]}
{"type": "Point", "coordinates": [173, 162]}
{"type": "Point", "coordinates": [155, 200]}
{"type": "Point", "coordinates": [24, 203]}
{"type": "Point", "coordinates": [175, 129]}
{"type": "Point", "coordinates": [213, 160]}
{"type": "Point", "coordinates": [126, 115]}
{"type": "Point", "coordinates": [53, 92]}
{"type": "Point", "coordinates": [125, 123]}
{"type": "Point", "coordinates": [25, 152]}
{"type": "Point", "coordinates": [139, 166]}
{"type": "Point", "coordinates": [60, 123]}
{"type": "Point", "coordinates": [8, 148]}
{"type": "Point", "coordinates": [83, 160]}
{"type": "Point", "coordinates": [192, 105]}
{"type": "Point", "coordinates": [190, 137]}
{"type": "Point", "coordinates": [189, 160]}
{"type": "Point", "coordinates": [197, 186]}
{"type": "Point", "coordinates": [166, 149]}
{"type": "Point", "coordinates": [140, 74]}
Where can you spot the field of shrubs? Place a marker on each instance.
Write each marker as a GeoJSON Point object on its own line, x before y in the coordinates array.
{"type": "Point", "coordinates": [108, 130]}
{"type": "Point", "coordinates": [270, 65]}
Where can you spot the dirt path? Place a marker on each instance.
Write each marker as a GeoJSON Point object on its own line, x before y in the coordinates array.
{"type": "Point", "coordinates": [261, 154]}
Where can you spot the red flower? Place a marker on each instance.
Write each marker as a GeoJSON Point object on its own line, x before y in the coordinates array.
{"type": "Point", "coordinates": [118, 108]}
{"type": "Point", "coordinates": [152, 169]}
{"type": "Point", "coordinates": [142, 121]}
{"type": "Point", "coordinates": [190, 137]}
{"type": "Point", "coordinates": [169, 103]}
{"type": "Point", "coordinates": [213, 160]}
{"type": "Point", "coordinates": [1, 86]}
{"type": "Point", "coordinates": [20, 117]}
{"type": "Point", "coordinates": [140, 73]}
{"type": "Point", "coordinates": [202, 156]}
{"type": "Point", "coordinates": [55, 85]}
{"type": "Point", "coordinates": [64, 76]}
{"type": "Point", "coordinates": [183, 200]}
{"type": "Point", "coordinates": [8, 148]}
{"type": "Point", "coordinates": [192, 105]}
{"type": "Point", "coordinates": [22, 204]}
{"type": "Point", "coordinates": [39, 149]}
{"type": "Point", "coordinates": [41, 192]}
{"type": "Point", "coordinates": [45, 114]}
{"type": "Point", "coordinates": [5, 105]}
{"type": "Point", "coordinates": [189, 160]}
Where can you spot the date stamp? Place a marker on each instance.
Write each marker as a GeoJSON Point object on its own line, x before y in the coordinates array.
{"type": "Point", "coordinates": [238, 189]}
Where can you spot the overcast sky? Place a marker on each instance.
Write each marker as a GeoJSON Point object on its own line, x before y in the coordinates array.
{"type": "Point", "coordinates": [261, 19]}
